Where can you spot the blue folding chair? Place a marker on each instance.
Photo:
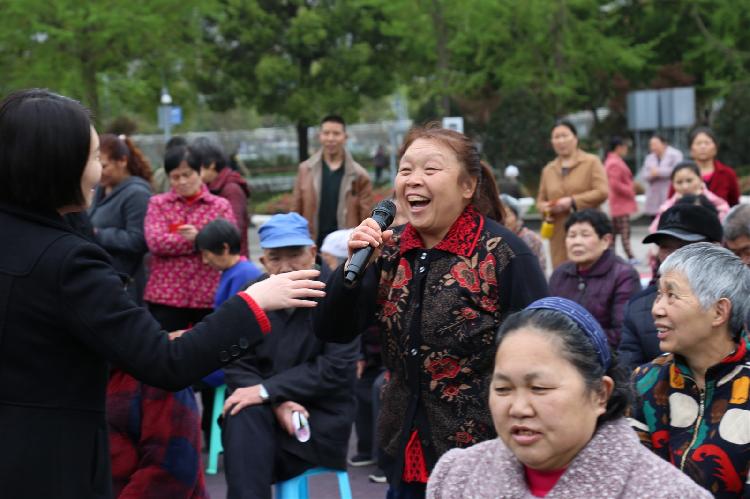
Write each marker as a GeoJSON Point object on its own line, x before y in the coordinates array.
{"type": "Point", "coordinates": [214, 446]}
{"type": "Point", "coordinates": [296, 488]}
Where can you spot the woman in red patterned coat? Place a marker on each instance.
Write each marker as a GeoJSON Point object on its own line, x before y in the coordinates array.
{"type": "Point", "coordinates": [439, 289]}
{"type": "Point", "coordinates": [180, 289]}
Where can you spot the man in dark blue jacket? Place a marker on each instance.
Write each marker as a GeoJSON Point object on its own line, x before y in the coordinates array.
{"type": "Point", "coordinates": [679, 226]}
{"type": "Point", "coordinates": [290, 371]}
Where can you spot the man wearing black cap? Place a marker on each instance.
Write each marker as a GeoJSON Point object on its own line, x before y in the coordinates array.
{"type": "Point", "coordinates": [679, 226]}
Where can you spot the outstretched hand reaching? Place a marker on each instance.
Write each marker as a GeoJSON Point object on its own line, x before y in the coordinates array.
{"type": "Point", "coordinates": [288, 290]}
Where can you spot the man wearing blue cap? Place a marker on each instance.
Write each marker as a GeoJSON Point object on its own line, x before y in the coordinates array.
{"type": "Point", "coordinates": [291, 371]}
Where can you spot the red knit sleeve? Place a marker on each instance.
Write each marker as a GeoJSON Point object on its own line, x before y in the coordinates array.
{"type": "Point", "coordinates": [260, 315]}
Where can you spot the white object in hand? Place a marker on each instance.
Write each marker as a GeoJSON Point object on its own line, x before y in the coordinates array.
{"type": "Point", "coordinates": [301, 426]}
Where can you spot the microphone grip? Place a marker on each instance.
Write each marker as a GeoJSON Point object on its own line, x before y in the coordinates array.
{"type": "Point", "coordinates": [357, 265]}
{"type": "Point", "coordinates": [383, 215]}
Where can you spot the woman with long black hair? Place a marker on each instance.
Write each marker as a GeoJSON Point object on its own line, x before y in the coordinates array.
{"type": "Point", "coordinates": [65, 316]}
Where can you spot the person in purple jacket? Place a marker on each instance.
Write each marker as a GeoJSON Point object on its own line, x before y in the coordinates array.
{"type": "Point", "coordinates": [594, 276]}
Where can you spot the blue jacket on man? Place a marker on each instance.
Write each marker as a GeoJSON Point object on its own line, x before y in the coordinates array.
{"type": "Point", "coordinates": [638, 343]}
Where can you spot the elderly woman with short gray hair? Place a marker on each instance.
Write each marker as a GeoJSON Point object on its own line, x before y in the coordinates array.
{"type": "Point", "coordinates": [693, 409]}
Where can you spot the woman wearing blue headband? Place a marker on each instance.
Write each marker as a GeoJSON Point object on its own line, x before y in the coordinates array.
{"type": "Point", "coordinates": [557, 399]}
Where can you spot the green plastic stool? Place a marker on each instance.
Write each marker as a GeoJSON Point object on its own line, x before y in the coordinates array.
{"type": "Point", "coordinates": [296, 488]}
{"type": "Point", "coordinates": [214, 447]}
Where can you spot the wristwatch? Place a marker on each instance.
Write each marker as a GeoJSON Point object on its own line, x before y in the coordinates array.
{"type": "Point", "coordinates": [263, 393]}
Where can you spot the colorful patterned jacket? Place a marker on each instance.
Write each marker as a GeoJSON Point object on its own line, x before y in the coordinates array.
{"type": "Point", "coordinates": [438, 310]}
{"type": "Point", "coordinates": [704, 433]}
{"type": "Point", "coordinates": [154, 440]}
{"type": "Point", "coordinates": [178, 277]}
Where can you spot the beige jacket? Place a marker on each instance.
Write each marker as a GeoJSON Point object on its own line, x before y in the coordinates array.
{"type": "Point", "coordinates": [355, 195]}
{"type": "Point", "coordinates": [586, 182]}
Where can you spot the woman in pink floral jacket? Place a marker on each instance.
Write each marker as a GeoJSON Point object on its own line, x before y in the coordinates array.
{"type": "Point", "coordinates": [180, 289]}
{"type": "Point", "coordinates": [439, 289]}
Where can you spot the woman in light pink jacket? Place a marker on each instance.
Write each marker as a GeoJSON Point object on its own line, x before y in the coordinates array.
{"type": "Point", "coordinates": [657, 168]}
{"type": "Point", "coordinates": [180, 289]}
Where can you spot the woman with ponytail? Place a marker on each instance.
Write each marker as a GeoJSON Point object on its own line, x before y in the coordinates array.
{"type": "Point", "coordinates": [438, 287]}
{"type": "Point", "coordinates": [119, 207]}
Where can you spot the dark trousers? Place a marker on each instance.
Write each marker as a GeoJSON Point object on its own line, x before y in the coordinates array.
{"type": "Point", "coordinates": [407, 491]}
{"type": "Point", "coordinates": [377, 400]}
{"type": "Point", "coordinates": [621, 226]}
{"type": "Point", "coordinates": [173, 319]}
{"type": "Point", "coordinates": [253, 455]}
{"type": "Point", "coordinates": [366, 416]}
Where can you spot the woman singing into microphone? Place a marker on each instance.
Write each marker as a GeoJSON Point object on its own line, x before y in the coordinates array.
{"type": "Point", "coordinates": [439, 289]}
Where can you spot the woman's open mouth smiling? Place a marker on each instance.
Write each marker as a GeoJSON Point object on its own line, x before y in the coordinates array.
{"type": "Point", "coordinates": [417, 202]}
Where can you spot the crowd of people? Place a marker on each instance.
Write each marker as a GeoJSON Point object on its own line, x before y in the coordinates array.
{"type": "Point", "coordinates": [465, 370]}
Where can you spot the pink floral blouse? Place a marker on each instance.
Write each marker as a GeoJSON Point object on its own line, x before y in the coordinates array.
{"type": "Point", "coordinates": [178, 277]}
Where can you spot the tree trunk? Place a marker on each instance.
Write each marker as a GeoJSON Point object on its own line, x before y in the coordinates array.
{"type": "Point", "coordinates": [443, 56]}
{"type": "Point", "coordinates": [302, 144]}
{"type": "Point", "coordinates": [91, 96]}
{"type": "Point", "coordinates": [596, 127]}
{"type": "Point", "coordinates": [557, 30]}
{"type": "Point", "coordinates": [88, 75]}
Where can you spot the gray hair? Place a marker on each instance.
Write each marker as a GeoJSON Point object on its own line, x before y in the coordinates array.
{"type": "Point", "coordinates": [737, 222]}
{"type": "Point", "coordinates": [713, 273]}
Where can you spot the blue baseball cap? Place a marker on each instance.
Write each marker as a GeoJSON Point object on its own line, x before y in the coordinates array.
{"type": "Point", "coordinates": [284, 230]}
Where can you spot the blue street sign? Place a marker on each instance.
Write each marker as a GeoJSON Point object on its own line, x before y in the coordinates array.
{"type": "Point", "coordinates": [175, 115]}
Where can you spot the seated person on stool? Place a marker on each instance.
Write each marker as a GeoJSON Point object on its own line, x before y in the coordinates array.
{"type": "Point", "coordinates": [290, 371]}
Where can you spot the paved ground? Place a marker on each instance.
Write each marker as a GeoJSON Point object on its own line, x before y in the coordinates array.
{"type": "Point", "coordinates": [326, 487]}
{"type": "Point", "coordinates": [321, 486]}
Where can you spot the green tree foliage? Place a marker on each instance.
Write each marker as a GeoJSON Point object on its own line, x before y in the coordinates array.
{"type": "Point", "coordinates": [733, 126]}
{"type": "Point", "coordinates": [700, 42]}
{"type": "Point", "coordinates": [296, 60]}
{"type": "Point", "coordinates": [518, 133]}
{"type": "Point", "coordinates": [301, 59]}
{"type": "Point", "coordinates": [113, 56]}
{"type": "Point", "coordinates": [515, 66]}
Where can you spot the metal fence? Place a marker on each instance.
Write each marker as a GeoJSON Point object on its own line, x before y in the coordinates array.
{"type": "Point", "coordinates": [277, 144]}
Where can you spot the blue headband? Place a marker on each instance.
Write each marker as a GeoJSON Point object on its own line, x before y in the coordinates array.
{"type": "Point", "coordinates": [584, 319]}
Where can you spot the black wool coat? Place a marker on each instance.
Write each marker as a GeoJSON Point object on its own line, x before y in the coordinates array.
{"type": "Point", "coordinates": [63, 316]}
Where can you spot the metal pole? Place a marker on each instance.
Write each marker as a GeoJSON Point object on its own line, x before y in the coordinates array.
{"type": "Point", "coordinates": [638, 152]}
{"type": "Point", "coordinates": [167, 123]}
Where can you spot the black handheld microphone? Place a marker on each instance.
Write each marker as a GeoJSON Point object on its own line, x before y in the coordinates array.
{"type": "Point", "coordinates": [383, 214]}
